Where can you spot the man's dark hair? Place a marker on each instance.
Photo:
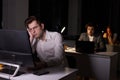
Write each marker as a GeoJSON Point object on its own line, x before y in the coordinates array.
{"type": "Point", "coordinates": [89, 24]}
{"type": "Point", "coordinates": [30, 19]}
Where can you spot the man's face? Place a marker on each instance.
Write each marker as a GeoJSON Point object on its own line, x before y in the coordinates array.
{"type": "Point", "coordinates": [90, 30]}
{"type": "Point", "coordinates": [35, 29]}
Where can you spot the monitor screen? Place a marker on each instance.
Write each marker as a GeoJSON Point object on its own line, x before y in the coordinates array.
{"type": "Point", "coordinates": [15, 47]}
{"type": "Point", "coordinates": [14, 40]}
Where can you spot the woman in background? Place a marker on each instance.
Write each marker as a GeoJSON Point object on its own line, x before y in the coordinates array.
{"type": "Point", "coordinates": [109, 36]}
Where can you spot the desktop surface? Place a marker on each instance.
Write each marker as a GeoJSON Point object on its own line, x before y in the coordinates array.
{"type": "Point", "coordinates": [55, 73]}
{"type": "Point", "coordinates": [72, 50]}
{"type": "Point", "coordinates": [94, 64]}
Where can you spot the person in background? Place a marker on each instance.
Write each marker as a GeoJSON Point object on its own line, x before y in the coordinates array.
{"type": "Point", "coordinates": [47, 45]}
{"type": "Point", "coordinates": [89, 35]}
{"type": "Point", "coordinates": [109, 36]}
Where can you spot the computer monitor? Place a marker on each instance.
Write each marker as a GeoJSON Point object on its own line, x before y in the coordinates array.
{"type": "Point", "coordinates": [15, 47]}
{"type": "Point", "coordinates": [14, 40]}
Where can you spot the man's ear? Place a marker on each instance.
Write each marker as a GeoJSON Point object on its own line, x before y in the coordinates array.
{"type": "Point", "coordinates": [42, 25]}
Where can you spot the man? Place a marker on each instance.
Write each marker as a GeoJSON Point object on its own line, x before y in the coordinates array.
{"type": "Point", "coordinates": [48, 45]}
{"type": "Point", "coordinates": [90, 36]}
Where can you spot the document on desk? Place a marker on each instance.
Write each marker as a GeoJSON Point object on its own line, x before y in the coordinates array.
{"type": "Point", "coordinates": [70, 49]}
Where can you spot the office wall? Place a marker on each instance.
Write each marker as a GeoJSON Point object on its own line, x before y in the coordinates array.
{"type": "Point", "coordinates": [15, 11]}
{"type": "Point", "coordinates": [79, 13]}
{"type": "Point", "coordinates": [74, 17]}
{"type": "Point", "coordinates": [53, 12]}
{"type": "Point", "coordinates": [14, 14]}
{"type": "Point", "coordinates": [0, 14]}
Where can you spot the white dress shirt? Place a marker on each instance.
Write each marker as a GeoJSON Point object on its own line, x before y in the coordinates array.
{"type": "Point", "coordinates": [90, 38]}
{"type": "Point", "coordinates": [51, 49]}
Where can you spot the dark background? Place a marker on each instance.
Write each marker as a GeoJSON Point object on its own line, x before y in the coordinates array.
{"type": "Point", "coordinates": [99, 12]}
{"type": "Point", "coordinates": [0, 14]}
{"type": "Point", "coordinates": [55, 13]}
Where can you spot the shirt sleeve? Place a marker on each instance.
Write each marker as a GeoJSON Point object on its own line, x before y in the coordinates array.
{"type": "Point", "coordinates": [33, 43]}
{"type": "Point", "coordinates": [100, 44]}
{"type": "Point", "coordinates": [59, 51]}
{"type": "Point", "coordinates": [115, 37]}
{"type": "Point", "coordinates": [81, 37]}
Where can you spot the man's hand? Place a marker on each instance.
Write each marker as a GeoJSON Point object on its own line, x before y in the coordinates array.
{"type": "Point", "coordinates": [31, 36]}
{"type": "Point", "coordinates": [105, 35]}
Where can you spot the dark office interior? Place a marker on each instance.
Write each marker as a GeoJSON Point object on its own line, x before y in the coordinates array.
{"type": "Point", "coordinates": [100, 12]}
{"type": "Point", "coordinates": [0, 13]}
{"type": "Point", "coordinates": [56, 14]}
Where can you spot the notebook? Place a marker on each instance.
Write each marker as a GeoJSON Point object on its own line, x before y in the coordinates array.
{"type": "Point", "coordinates": [84, 47]}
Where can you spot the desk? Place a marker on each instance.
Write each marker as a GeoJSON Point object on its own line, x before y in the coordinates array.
{"type": "Point", "coordinates": [56, 73]}
{"type": "Point", "coordinates": [101, 65]}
